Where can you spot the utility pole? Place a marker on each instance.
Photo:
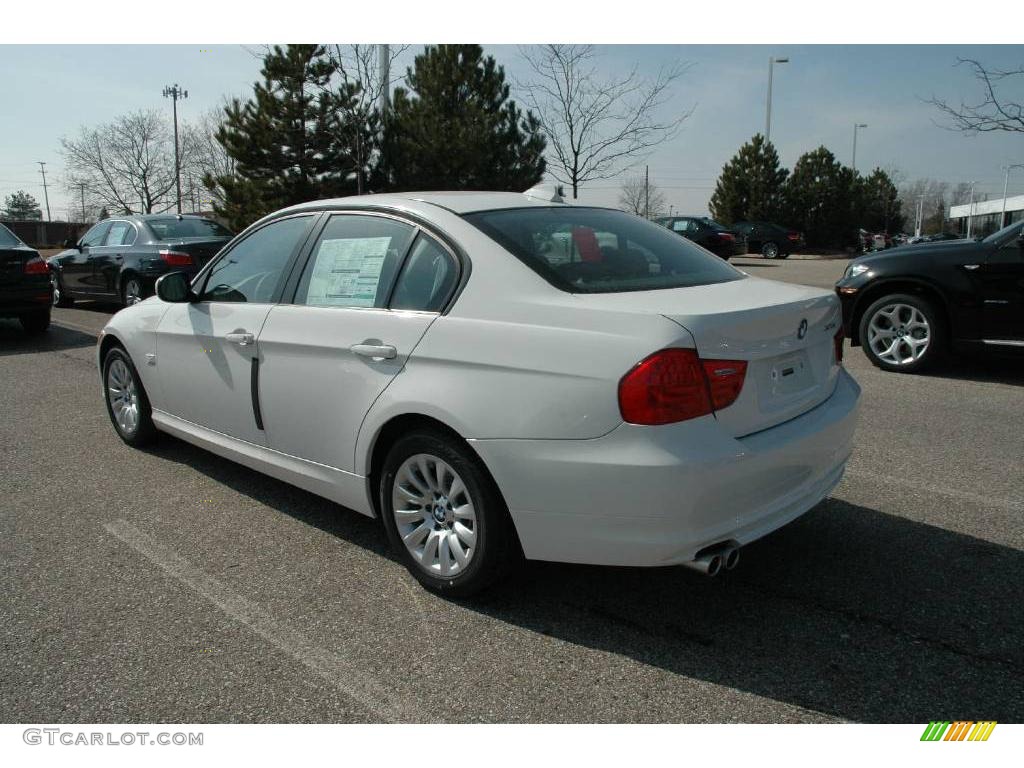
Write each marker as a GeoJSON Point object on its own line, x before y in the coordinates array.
{"type": "Point", "coordinates": [46, 194]}
{"type": "Point", "coordinates": [970, 211]}
{"type": "Point", "coordinates": [81, 192]}
{"type": "Point", "coordinates": [772, 61]}
{"type": "Point", "coordinates": [853, 162]}
{"type": "Point", "coordinates": [175, 93]}
{"type": "Point", "coordinates": [1006, 183]}
{"type": "Point", "coordinates": [647, 191]}
{"type": "Point", "coordinates": [919, 218]}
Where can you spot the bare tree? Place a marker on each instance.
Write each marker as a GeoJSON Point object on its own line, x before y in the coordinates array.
{"type": "Point", "coordinates": [641, 199]}
{"type": "Point", "coordinates": [126, 165]}
{"type": "Point", "coordinates": [993, 112]}
{"type": "Point", "coordinates": [204, 160]}
{"type": "Point", "coordinates": [596, 127]}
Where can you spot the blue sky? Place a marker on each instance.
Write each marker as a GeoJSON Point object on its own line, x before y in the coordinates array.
{"type": "Point", "coordinates": [49, 91]}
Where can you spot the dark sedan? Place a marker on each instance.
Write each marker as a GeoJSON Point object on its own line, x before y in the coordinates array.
{"type": "Point", "coordinates": [24, 283]}
{"type": "Point", "coordinates": [773, 241]}
{"type": "Point", "coordinates": [120, 259]}
{"type": "Point", "coordinates": [708, 233]}
{"type": "Point", "coordinates": [908, 306]}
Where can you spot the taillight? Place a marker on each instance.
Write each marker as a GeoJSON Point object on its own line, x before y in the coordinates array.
{"type": "Point", "coordinates": [675, 385]}
{"type": "Point", "coordinates": [175, 259]}
{"type": "Point", "coordinates": [837, 341]}
{"type": "Point", "coordinates": [36, 266]}
{"type": "Point", "coordinates": [726, 236]}
{"type": "Point", "coordinates": [725, 380]}
{"type": "Point", "coordinates": [793, 235]}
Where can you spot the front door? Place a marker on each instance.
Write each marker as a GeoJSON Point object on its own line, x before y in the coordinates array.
{"type": "Point", "coordinates": [369, 290]}
{"type": "Point", "coordinates": [206, 350]}
{"type": "Point", "coordinates": [1002, 282]}
{"type": "Point", "coordinates": [76, 271]}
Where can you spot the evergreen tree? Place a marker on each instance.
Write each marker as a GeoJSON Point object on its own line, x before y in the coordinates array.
{"type": "Point", "coordinates": [880, 206]}
{"type": "Point", "coordinates": [21, 206]}
{"type": "Point", "coordinates": [284, 140]}
{"type": "Point", "coordinates": [819, 199]}
{"type": "Point", "coordinates": [750, 186]}
{"type": "Point", "coordinates": [457, 128]}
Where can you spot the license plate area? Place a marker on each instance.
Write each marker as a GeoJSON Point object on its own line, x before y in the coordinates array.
{"type": "Point", "coordinates": [789, 374]}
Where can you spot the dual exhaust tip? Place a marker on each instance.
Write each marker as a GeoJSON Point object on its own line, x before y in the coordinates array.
{"type": "Point", "coordinates": [715, 559]}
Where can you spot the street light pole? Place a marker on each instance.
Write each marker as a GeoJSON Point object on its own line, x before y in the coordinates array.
{"type": "Point", "coordinates": [853, 162]}
{"type": "Point", "coordinates": [772, 61]}
{"type": "Point", "coordinates": [175, 93]}
{"type": "Point", "coordinates": [970, 211]}
{"type": "Point", "coordinates": [1006, 183]}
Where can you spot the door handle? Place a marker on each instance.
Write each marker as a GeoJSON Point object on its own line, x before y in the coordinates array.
{"type": "Point", "coordinates": [376, 351]}
{"type": "Point", "coordinates": [241, 338]}
{"type": "Point", "coordinates": [971, 267]}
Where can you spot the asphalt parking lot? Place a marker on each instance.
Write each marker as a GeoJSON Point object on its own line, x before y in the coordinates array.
{"type": "Point", "coordinates": [172, 585]}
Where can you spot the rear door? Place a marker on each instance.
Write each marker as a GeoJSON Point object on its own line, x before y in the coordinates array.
{"type": "Point", "coordinates": [370, 288]}
{"type": "Point", "coordinates": [207, 351]}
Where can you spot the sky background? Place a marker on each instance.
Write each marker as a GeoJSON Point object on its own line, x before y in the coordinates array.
{"type": "Point", "coordinates": [47, 92]}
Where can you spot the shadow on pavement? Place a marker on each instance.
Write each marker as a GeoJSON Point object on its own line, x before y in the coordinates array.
{"type": "Point", "coordinates": [14, 340]}
{"type": "Point", "coordinates": [848, 611]}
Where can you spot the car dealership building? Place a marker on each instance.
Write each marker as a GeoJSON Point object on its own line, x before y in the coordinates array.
{"type": "Point", "coordinates": [985, 215]}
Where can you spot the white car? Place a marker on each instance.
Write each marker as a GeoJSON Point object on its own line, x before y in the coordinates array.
{"type": "Point", "coordinates": [497, 375]}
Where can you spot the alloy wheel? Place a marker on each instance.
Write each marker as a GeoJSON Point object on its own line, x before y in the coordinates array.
{"type": "Point", "coordinates": [899, 334]}
{"type": "Point", "coordinates": [132, 292]}
{"type": "Point", "coordinates": [434, 515]}
{"type": "Point", "coordinates": [123, 396]}
{"type": "Point", "coordinates": [770, 251]}
{"type": "Point", "coordinates": [55, 282]}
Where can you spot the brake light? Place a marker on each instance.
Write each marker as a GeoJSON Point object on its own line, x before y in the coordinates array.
{"type": "Point", "coordinates": [725, 380]}
{"type": "Point", "coordinates": [837, 341]}
{"type": "Point", "coordinates": [175, 259]}
{"type": "Point", "coordinates": [726, 236]}
{"type": "Point", "coordinates": [675, 385]}
{"type": "Point", "coordinates": [36, 266]}
{"type": "Point", "coordinates": [793, 235]}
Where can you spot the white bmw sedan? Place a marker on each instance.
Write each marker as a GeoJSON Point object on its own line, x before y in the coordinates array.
{"type": "Point", "coordinates": [496, 375]}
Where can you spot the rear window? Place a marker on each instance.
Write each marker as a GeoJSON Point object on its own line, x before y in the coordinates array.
{"type": "Point", "coordinates": [7, 238]}
{"type": "Point", "coordinates": [596, 250]}
{"type": "Point", "coordinates": [173, 228]}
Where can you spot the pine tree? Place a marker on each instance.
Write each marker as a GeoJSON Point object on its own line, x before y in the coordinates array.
{"type": "Point", "coordinates": [457, 128]}
{"type": "Point", "coordinates": [750, 186]}
{"type": "Point", "coordinates": [284, 140]}
{"type": "Point", "coordinates": [21, 206]}
{"type": "Point", "coordinates": [880, 206]}
{"type": "Point", "coordinates": [819, 199]}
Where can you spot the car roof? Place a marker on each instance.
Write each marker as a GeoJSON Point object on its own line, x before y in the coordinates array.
{"type": "Point", "coordinates": [456, 202]}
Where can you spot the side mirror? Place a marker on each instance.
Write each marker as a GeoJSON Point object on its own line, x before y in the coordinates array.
{"type": "Point", "coordinates": [174, 288]}
{"type": "Point", "coordinates": [71, 243]}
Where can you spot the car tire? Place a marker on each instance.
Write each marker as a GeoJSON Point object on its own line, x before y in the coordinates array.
{"type": "Point", "coordinates": [60, 295]}
{"type": "Point", "coordinates": [35, 322]}
{"type": "Point", "coordinates": [903, 333]}
{"type": "Point", "coordinates": [444, 516]}
{"type": "Point", "coordinates": [127, 403]}
{"type": "Point", "coordinates": [132, 291]}
{"type": "Point", "coordinates": [770, 250]}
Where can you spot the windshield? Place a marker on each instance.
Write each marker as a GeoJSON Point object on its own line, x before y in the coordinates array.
{"type": "Point", "coordinates": [1005, 233]}
{"type": "Point", "coordinates": [595, 250]}
{"type": "Point", "coordinates": [173, 228]}
{"type": "Point", "coordinates": [8, 238]}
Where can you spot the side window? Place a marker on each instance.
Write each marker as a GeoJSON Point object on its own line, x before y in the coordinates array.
{"type": "Point", "coordinates": [428, 278]}
{"type": "Point", "coordinates": [121, 233]}
{"type": "Point", "coordinates": [96, 235]}
{"type": "Point", "coordinates": [252, 270]}
{"type": "Point", "coordinates": [354, 261]}
{"type": "Point", "coordinates": [680, 225]}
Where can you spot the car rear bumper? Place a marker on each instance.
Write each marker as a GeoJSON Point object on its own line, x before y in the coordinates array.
{"type": "Point", "coordinates": [650, 496]}
{"type": "Point", "coordinates": [27, 296]}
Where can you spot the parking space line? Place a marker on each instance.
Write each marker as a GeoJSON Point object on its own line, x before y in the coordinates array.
{"type": "Point", "coordinates": [75, 327]}
{"type": "Point", "coordinates": [337, 671]}
{"type": "Point", "coordinates": [1006, 505]}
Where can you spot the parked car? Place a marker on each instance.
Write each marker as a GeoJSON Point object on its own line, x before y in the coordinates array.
{"type": "Point", "coordinates": [24, 283]}
{"type": "Point", "coordinates": [907, 307]}
{"type": "Point", "coordinates": [119, 259]}
{"type": "Point", "coordinates": [444, 362]}
{"type": "Point", "coordinates": [708, 233]}
{"type": "Point", "coordinates": [881, 241]}
{"type": "Point", "coordinates": [772, 241]}
{"type": "Point", "coordinates": [944, 236]}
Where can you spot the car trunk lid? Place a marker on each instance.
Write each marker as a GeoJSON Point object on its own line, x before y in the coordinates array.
{"type": "Point", "coordinates": [201, 249]}
{"type": "Point", "coordinates": [12, 263]}
{"type": "Point", "coordinates": [785, 334]}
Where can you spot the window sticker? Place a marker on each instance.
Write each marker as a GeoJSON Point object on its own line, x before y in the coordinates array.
{"type": "Point", "coordinates": [347, 271]}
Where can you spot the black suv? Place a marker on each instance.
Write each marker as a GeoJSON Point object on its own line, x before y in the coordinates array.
{"type": "Point", "coordinates": [909, 305]}
{"type": "Point", "coordinates": [120, 258]}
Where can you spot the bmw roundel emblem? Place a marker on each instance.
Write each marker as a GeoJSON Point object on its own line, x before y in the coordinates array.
{"type": "Point", "coordinates": [802, 330]}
